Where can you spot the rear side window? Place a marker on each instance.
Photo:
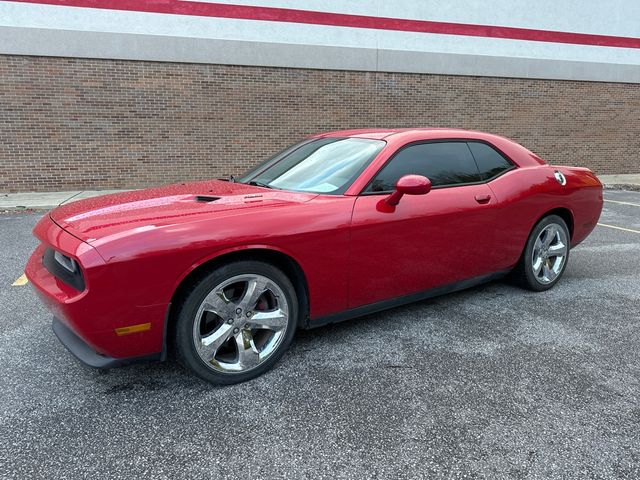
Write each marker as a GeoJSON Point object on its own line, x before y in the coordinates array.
{"type": "Point", "coordinates": [490, 162]}
{"type": "Point", "coordinates": [444, 163]}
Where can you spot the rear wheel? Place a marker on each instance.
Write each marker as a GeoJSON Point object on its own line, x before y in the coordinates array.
{"type": "Point", "coordinates": [545, 255]}
{"type": "Point", "coordinates": [236, 322]}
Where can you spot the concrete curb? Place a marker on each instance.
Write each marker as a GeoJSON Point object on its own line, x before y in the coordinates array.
{"type": "Point", "coordinates": [622, 186]}
{"type": "Point", "coordinates": [46, 200]}
{"type": "Point", "coordinates": [621, 182]}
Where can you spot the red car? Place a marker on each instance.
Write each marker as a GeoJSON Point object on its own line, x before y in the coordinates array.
{"type": "Point", "coordinates": [339, 225]}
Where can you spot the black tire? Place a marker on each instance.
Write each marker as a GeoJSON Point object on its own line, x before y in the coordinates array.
{"type": "Point", "coordinates": [523, 274]}
{"type": "Point", "coordinates": [187, 310]}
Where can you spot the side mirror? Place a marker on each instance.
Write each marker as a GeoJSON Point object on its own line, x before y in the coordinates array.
{"type": "Point", "coordinates": [409, 185]}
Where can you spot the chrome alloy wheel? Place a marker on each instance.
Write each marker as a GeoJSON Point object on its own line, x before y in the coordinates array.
{"type": "Point", "coordinates": [240, 323]}
{"type": "Point", "coordinates": [549, 253]}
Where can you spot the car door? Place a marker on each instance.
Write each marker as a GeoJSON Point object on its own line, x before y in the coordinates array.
{"type": "Point", "coordinates": [426, 241]}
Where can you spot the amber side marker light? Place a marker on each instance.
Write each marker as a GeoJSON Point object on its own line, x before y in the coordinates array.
{"type": "Point", "coordinates": [141, 327]}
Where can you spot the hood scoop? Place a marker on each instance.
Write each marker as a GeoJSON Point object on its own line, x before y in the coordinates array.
{"type": "Point", "coordinates": [206, 198]}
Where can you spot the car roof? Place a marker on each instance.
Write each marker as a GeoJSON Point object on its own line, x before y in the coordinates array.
{"type": "Point", "coordinates": [423, 132]}
{"type": "Point", "coordinates": [374, 133]}
{"type": "Point", "coordinates": [397, 137]}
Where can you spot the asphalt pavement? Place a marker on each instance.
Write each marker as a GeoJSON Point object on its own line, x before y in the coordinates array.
{"type": "Point", "coordinates": [493, 382]}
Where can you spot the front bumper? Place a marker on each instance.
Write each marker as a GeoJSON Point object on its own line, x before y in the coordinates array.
{"type": "Point", "coordinates": [83, 352]}
{"type": "Point", "coordinates": [87, 321]}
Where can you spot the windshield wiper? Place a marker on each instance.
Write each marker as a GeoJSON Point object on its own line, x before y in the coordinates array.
{"type": "Point", "coordinates": [259, 184]}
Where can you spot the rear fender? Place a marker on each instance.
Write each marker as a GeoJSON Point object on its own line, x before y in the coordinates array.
{"type": "Point", "coordinates": [584, 199]}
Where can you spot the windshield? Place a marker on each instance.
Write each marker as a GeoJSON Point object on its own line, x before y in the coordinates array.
{"type": "Point", "coordinates": [320, 165]}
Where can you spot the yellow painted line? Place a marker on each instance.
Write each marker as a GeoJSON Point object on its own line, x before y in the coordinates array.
{"type": "Point", "coordinates": [619, 228]}
{"type": "Point", "coordinates": [22, 280]}
{"type": "Point", "coordinates": [623, 203]}
{"type": "Point", "coordinates": [141, 327]}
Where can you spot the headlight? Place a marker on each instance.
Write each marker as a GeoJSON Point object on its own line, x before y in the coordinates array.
{"type": "Point", "coordinates": [68, 263]}
{"type": "Point", "coordinates": [63, 268]}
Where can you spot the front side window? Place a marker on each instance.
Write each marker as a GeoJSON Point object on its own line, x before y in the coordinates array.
{"type": "Point", "coordinates": [444, 163]}
{"type": "Point", "coordinates": [322, 165]}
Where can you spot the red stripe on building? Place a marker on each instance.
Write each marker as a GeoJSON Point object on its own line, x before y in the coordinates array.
{"type": "Point", "coordinates": [271, 14]}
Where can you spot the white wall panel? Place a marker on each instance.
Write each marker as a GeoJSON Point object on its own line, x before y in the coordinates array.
{"type": "Point", "coordinates": [35, 29]}
{"type": "Point", "coordinates": [610, 17]}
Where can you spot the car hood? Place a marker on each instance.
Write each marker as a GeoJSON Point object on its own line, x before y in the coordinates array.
{"type": "Point", "coordinates": [107, 216]}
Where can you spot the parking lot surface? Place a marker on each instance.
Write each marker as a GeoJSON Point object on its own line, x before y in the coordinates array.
{"type": "Point", "coordinates": [493, 382]}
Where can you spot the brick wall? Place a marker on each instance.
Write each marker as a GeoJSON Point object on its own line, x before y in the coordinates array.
{"type": "Point", "coordinates": [78, 123]}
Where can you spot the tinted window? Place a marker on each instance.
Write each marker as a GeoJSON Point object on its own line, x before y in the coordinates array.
{"type": "Point", "coordinates": [444, 163]}
{"type": "Point", "coordinates": [490, 162]}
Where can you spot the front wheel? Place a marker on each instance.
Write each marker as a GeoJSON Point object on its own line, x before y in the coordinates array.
{"type": "Point", "coordinates": [236, 322]}
{"type": "Point", "coordinates": [545, 255]}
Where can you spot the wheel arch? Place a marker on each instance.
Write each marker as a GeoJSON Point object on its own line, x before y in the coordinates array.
{"type": "Point", "coordinates": [565, 214]}
{"type": "Point", "coordinates": [272, 256]}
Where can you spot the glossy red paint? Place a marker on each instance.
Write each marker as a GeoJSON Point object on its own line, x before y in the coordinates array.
{"type": "Point", "coordinates": [409, 185]}
{"type": "Point", "coordinates": [136, 248]}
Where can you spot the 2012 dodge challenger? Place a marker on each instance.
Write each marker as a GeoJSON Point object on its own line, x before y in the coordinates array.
{"type": "Point", "coordinates": [339, 225]}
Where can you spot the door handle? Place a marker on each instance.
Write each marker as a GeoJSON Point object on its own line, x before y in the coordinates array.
{"type": "Point", "coordinates": [483, 198]}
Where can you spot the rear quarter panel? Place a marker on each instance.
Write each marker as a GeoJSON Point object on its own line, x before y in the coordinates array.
{"type": "Point", "coordinates": [525, 195]}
